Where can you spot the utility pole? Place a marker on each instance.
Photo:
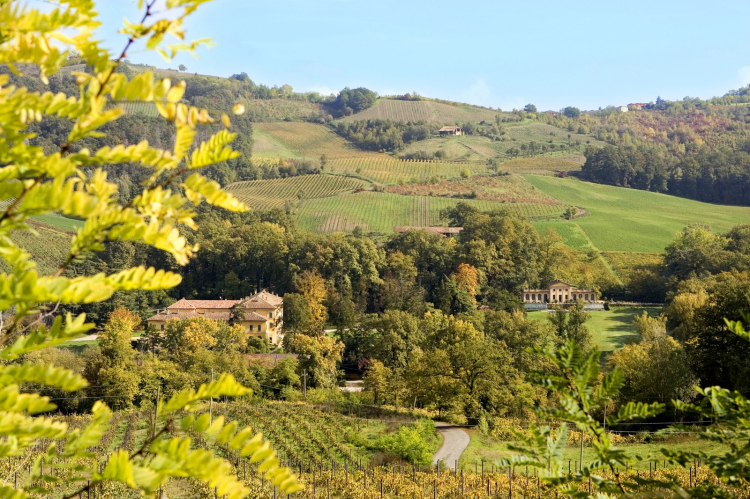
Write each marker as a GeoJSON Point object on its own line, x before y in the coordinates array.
{"type": "Point", "coordinates": [304, 386]}
{"type": "Point", "coordinates": [211, 401]}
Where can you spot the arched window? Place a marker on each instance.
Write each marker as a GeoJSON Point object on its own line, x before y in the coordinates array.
{"type": "Point", "coordinates": [545, 297]}
{"type": "Point", "coordinates": [527, 296]}
{"type": "Point", "coordinates": [533, 297]}
{"type": "Point", "coordinates": [587, 297]}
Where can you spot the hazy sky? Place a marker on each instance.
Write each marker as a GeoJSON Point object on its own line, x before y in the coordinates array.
{"type": "Point", "coordinates": [494, 53]}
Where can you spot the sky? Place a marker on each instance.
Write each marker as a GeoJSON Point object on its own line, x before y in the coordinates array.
{"type": "Point", "coordinates": [587, 54]}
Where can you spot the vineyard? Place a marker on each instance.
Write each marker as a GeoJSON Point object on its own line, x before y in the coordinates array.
{"type": "Point", "coordinates": [399, 110]}
{"type": "Point", "coordinates": [313, 443]}
{"type": "Point", "coordinates": [507, 188]}
{"type": "Point", "coordinates": [140, 108]}
{"type": "Point", "coordinates": [380, 212]}
{"type": "Point", "coordinates": [312, 140]}
{"type": "Point", "coordinates": [387, 170]}
{"type": "Point", "coordinates": [274, 193]}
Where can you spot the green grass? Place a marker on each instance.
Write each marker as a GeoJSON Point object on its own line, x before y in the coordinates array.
{"type": "Point", "coordinates": [623, 219]}
{"type": "Point", "coordinates": [610, 328]}
{"type": "Point", "coordinates": [571, 233]}
{"type": "Point", "coordinates": [489, 449]}
{"type": "Point", "coordinates": [311, 140]}
{"type": "Point", "coordinates": [380, 212]}
{"type": "Point", "coordinates": [266, 145]}
{"type": "Point", "coordinates": [59, 222]}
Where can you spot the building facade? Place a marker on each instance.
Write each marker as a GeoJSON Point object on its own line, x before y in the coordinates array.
{"type": "Point", "coordinates": [559, 292]}
{"type": "Point", "coordinates": [262, 314]}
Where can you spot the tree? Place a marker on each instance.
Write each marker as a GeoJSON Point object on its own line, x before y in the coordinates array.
{"type": "Point", "coordinates": [116, 338]}
{"type": "Point", "coordinates": [313, 288]}
{"type": "Point", "coordinates": [571, 112]}
{"type": "Point", "coordinates": [182, 67]}
{"type": "Point", "coordinates": [530, 108]}
{"type": "Point", "coordinates": [71, 180]}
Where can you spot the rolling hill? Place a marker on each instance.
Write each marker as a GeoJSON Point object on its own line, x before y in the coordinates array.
{"type": "Point", "coordinates": [425, 110]}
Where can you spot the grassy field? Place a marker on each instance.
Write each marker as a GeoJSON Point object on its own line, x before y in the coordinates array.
{"type": "Point", "coordinates": [461, 148]}
{"type": "Point", "coordinates": [508, 188]}
{"type": "Point", "coordinates": [386, 170]}
{"type": "Point", "coordinates": [549, 164]}
{"type": "Point", "coordinates": [571, 233]}
{"type": "Point", "coordinates": [311, 140]}
{"type": "Point", "coordinates": [280, 109]}
{"type": "Point", "coordinates": [398, 110]}
{"type": "Point", "coordinates": [266, 145]}
{"type": "Point", "coordinates": [140, 108]}
{"type": "Point", "coordinates": [274, 193]}
{"type": "Point", "coordinates": [610, 328]}
{"type": "Point", "coordinates": [623, 219]}
{"type": "Point", "coordinates": [489, 449]}
{"type": "Point", "coordinates": [380, 212]}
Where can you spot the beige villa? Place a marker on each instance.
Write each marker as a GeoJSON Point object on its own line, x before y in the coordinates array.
{"type": "Point", "coordinates": [559, 292]}
{"type": "Point", "coordinates": [263, 314]}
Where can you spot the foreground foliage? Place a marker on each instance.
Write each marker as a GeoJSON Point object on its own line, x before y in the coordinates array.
{"type": "Point", "coordinates": [71, 181]}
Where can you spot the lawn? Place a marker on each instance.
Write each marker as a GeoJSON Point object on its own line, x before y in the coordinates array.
{"type": "Point", "coordinates": [490, 450]}
{"type": "Point", "coordinates": [621, 219]}
{"type": "Point", "coordinates": [610, 328]}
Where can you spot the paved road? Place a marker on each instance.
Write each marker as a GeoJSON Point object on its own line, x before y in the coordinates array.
{"type": "Point", "coordinates": [455, 441]}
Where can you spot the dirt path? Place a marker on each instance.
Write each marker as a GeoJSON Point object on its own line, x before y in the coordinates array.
{"type": "Point", "coordinates": [455, 441]}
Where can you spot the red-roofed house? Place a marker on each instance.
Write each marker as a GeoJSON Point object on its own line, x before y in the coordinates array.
{"type": "Point", "coordinates": [263, 314]}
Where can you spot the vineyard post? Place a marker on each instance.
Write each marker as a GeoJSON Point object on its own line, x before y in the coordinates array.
{"type": "Point", "coordinates": [304, 386]}
{"type": "Point", "coordinates": [581, 461]}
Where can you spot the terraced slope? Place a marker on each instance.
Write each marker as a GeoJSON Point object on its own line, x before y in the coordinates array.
{"type": "Point", "coordinates": [386, 170]}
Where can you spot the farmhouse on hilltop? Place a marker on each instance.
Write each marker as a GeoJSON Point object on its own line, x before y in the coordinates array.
{"type": "Point", "coordinates": [559, 292]}
{"type": "Point", "coordinates": [450, 130]}
{"type": "Point", "coordinates": [443, 231]}
{"type": "Point", "coordinates": [263, 314]}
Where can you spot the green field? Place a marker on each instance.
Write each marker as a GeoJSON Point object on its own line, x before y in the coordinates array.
{"type": "Point", "coordinates": [274, 193]}
{"type": "Point", "coordinates": [571, 233]}
{"type": "Point", "coordinates": [266, 145]}
{"type": "Point", "coordinates": [610, 328]}
{"type": "Point", "coordinates": [386, 170]}
{"type": "Point", "coordinates": [380, 212]}
{"type": "Point", "coordinates": [59, 222]}
{"type": "Point", "coordinates": [399, 110]}
{"type": "Point", "coordinates": [311, 140]}
{"type": "Point", "coordinates": [49, 248]}
{"type": "Point", "coordinates": [623, 219]}
{"type": "Point", "coordinates": [140, 108]}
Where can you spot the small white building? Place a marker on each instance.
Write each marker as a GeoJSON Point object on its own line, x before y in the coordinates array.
{"type": "Point", "coordinates": [623, 109]}
{"type": "Point", "coordinates": [450, 130]}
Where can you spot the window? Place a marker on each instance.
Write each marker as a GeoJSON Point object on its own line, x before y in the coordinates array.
{"type": "Point", "coordinates": [587, 296]}
{"type": "Point", "coordinates": [527, 296]}
{"type": "Point", "coordinates": [545, 297]}
{"type": "Point", "coordinates": [162, 327]}
{"type": "Point", "coordinates": [270, 315]}
{"type": "Point", "coordinates": [258, 327]}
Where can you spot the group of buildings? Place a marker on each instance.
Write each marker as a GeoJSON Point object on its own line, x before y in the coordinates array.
{"type": "Point", "coordinates": [261, 314]}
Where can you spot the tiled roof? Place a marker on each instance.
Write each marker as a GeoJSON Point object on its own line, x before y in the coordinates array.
{"type": "Point", "coordinates": [264, 300]}
{"type": "Point", "coordinates": [217, 316]}
{"type": "Point", "coordinates": [439, 230]}
{"type": "Point", "coordinates": [252, 316]}
{"type": "Point", "coordinates": [448, 128]}
{"type": "Point", "coordinates": [184, 304]}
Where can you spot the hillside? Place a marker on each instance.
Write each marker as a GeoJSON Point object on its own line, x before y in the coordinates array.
{"type": "Point", "coordinates": [425, 110]}
{"type": "Point", "coordinates": [622, 219]}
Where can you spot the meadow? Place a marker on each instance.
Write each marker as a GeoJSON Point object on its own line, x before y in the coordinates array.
{"type": "Point", "coordinates": [266, 145]}
{"type": "Point", "coordinates": [380, 212]}
{"type": "Point", "coordinates": [399, 110]}
{"type": "Point", "coordinates": [548, 164]}
{"type": "Point", "coordinates": [140, 108]}
{"type": "Point", "coordinates": [311, 140]}
{"type": "Point", "coordinates": [610, 328]}
{"type": "Point", "coordinates": [275, 193]}
{"type": "Point", "coordinates": [386, 170]}
{"type": "Point", "coordinates": [621, 219]}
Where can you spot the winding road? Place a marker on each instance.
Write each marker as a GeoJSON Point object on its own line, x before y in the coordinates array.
{"type": "Point", "coordinates": [455, 441]}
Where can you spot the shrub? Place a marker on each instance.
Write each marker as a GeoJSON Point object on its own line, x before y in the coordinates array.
{"type": "Point", "coordinates": [411, 442]}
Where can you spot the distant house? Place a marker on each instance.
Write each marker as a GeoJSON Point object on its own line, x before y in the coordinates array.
{"type": "Point", "coordinates": [623, 109]}
{"type": "Point", "coordinates": [559, 292]}
{"type": "Point", "coordinates": [443, 231]}
{"type": "Point", "coordinates": [263, 314]}
{"type": "Point", "coordinates": [450, 130]}
{"type": "Point", "coordinates": [551, 113]}
{"type": "Point", "coordinates": [637, 106]}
